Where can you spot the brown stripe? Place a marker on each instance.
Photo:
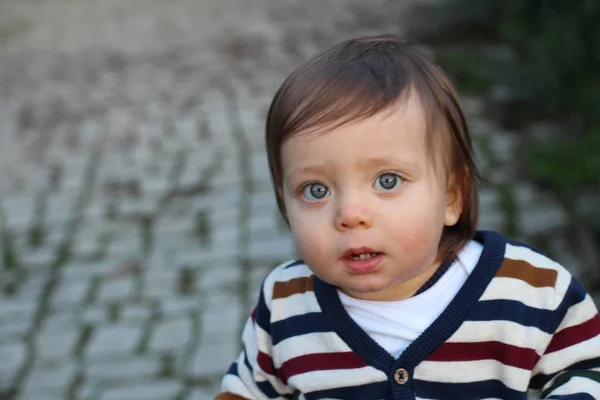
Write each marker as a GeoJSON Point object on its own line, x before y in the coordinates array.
{"type": "Point", "coordinates": [298, 285]}
{"type": "Point", "coordinates": [229, 396]}
{"type": "Point", "coordinates": [536, 277]}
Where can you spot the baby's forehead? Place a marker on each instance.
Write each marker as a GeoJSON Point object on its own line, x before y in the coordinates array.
{"type": "Point", "coordinates": [407, 116]}
{"type": "Point", "coordinates": [407, 109]}
{"type": "Point", "coordinates": [395, 135]}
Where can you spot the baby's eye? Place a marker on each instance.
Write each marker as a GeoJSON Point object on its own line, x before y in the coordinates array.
{"type": "Point", "coordinates": [315, 192]}
{"type": "Point", "coordinates": [388, 181]}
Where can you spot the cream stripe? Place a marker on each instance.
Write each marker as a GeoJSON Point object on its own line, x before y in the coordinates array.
{"type": "Point", "coordinates": [537, 260]}
{"type": "Point", "coordinates": [323, 380]}
{"type": "Point", "coordinates": [257, 376]}
{"type": "Point", "coordinates": [255, 338]}
{"type": "Point", "coordinates": [233, 384]}
{"type": "Point", "coordinates": [263, 340]}
{"type": "Point", "coordinates": [281, 274]}
{"type": "Point", "coordinates": [312, 343]}
{"type": "Point", "coordinates": [559, 360]}
{"type": "Point", "coordinates": [507, 332]}
{"type": "Point", "coordinates": [578, 385]}
{"type": "Point", "coordinates": [515, 289]}
{"type": "Point", "coordinates": [286, 274]}
{"type": "Point", "coordinates": [579, 313]}
{"type": "Point", "coordinates": [296, 304]}
{"type": "Point", "coordinates": [473, 371]}
{"type": "Point", "coordinates": [530, 256]}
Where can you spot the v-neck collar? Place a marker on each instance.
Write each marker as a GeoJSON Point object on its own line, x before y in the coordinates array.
{"type": "Point", "coordinates": [437, 333]}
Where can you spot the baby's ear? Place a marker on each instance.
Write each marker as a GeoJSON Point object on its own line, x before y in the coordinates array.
{"type": "Point", "coordinates": [454, 201]}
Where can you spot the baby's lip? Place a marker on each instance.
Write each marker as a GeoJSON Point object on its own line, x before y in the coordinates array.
{"type": "Point", "coordinates": [358, 251]}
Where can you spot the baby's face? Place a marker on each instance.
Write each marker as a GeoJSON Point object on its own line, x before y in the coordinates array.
{"type": "Point", "coordinates": [365, 203]}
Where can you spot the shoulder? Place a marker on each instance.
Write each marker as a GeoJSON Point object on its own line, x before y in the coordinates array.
{"type": "Point", "coordinates": [535, 278]}
{"type": "Point", "coordinates": [531, 290]}
{"type": "Point", "coordinates": [533, 267]}
{"type": "Point", "coordinates": [288, 278]}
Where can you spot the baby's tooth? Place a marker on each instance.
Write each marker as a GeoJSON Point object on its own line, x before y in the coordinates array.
{"type": "Point", "coordinates": [363, 256]}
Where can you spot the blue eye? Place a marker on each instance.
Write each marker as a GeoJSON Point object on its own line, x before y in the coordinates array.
{"type": "Point", "coordinates": [388, 182]}
{"type": "Point", "coordinates": [315, 192]}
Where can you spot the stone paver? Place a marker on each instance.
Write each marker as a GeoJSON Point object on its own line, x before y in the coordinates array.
{"type": "Point", "coordinates": [144, 391]}
{"type": "Point", "coordinates": [114, 340]}
{"type": "Point", "coordinates": [12, 355]}
{"type": "Point", "coordinates": [58, 343]}
{"type": "Point", "coordinates": [169, 335]}
{"type": "Point", "coordinates": [210, 359]}
{"type": "Point", "coordinates": [137, 219]}
{"type": "Point", "coordinates": [50, 379]}
{"type": "Point", "coordinates": [128, 369]}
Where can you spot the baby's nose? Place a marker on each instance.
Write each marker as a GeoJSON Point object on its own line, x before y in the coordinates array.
{"type": "Point", "coordinates": [352, 215]}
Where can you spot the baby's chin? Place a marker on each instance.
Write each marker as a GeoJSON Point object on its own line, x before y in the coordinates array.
{"type": "Point", "coordinates": [364, 289]}
{"type": "Point", "coordinates": [378, 291]}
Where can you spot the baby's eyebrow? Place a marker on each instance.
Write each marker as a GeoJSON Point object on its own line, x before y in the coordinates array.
{"type": "Point", "coordinates": [379, 162]}
{"type": "Point", "coordinates": [306, 170]}
{"type": "Point", "coordinates": [373, 162]}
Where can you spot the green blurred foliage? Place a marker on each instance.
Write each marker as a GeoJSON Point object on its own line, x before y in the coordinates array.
{"type": "Point", "coordinates": [536, 64]}
{"type": "Point", "coordinates": [534, 60]}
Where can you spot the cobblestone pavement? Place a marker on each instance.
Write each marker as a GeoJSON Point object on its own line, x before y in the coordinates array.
{"type": "Point", "coordinates": [137, 219]}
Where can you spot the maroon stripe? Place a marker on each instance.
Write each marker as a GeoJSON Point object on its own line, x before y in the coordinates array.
{"type": "Point", "coordinates": [229, 396]}
{"type": "Point", "coordinates": [320, 362]}
{"type": "Point", "coordinates": [574, 335]}
{"type": "Point", "coordinates": [265, 363]}
{"type": "Point", "coordinates": [507, 354]}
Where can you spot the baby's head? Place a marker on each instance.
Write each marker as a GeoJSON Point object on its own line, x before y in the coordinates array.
{"type": "Point", "coordinates": [372, 165]}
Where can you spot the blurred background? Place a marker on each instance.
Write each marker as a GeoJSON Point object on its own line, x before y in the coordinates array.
{"type": "Point", "coordinates": [136, 214]}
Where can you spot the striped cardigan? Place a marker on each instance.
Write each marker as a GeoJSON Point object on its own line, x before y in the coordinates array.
{"type": "Point", "coordinates": [520, 326]}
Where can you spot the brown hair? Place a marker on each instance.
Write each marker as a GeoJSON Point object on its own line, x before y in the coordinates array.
{"type": "Point", "coordinates": [361, 77]}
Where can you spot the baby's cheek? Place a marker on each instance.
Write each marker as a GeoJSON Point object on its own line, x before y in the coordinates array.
{"type": "Point", "coordinates": [415, 233]}
{"type": "Point", "coordinates": [310, 236]}
{"type": "Point", "coordinates": [307, 235]}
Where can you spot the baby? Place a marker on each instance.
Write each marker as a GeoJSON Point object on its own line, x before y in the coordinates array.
{"type": "Point", "coordinates": [398, 296]}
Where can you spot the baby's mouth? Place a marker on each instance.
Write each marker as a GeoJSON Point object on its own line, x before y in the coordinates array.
{"type": "Point", "coordinates": [361, 253]}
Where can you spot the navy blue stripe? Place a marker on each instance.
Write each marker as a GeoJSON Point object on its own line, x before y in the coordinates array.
{"type": "Point", "coordinates": [515, 311]}
{"type": "Point", "coordinates": [520, 244]}
{"type": "Point", "coordinates": [575, 295]}
{"type": "Point", "coordinates": [270, 392]}
{"type": "Point", "coordinates": [574, 396]}
{"type": "Point", "coordinates": [371, 391]}
{"type": "Point", "coordinates": [294, 264]}
{"type": "Point", "coordinates": [247, 362]}
{"type": "Point", "coordinates": [263, 314]}
{"type": "Point", "coordinates": [233, 369]}
{"type": "Point", "coordinates": [299, 325]}
{"type": "Point", "coordinates": [466, 391]}
{"type": "Point", "coordinates": [265, 387]}
{"type": "Point", "coordinates": [538, 381]}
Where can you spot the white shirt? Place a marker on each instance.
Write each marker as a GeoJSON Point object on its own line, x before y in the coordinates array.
{"type": "Point", "coordinates": [394, 325]}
